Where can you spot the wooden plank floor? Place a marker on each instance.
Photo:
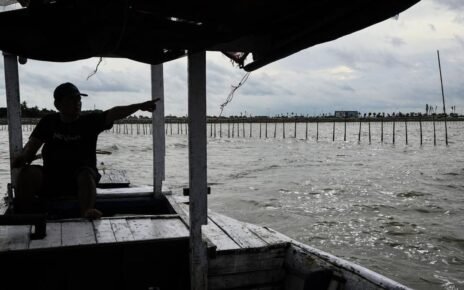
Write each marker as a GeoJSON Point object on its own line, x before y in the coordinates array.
{"type": "Point", "coordinates": [247, 256]}
{"type": "Point", "coordinates": [81, 232]}
{"type": "Point", "coordinates": [230, 234]}
{"type": "Point", "coordinates": [223, 232]}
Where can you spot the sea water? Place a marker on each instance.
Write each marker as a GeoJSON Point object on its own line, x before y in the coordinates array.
{"type": "Point", "coordinates": [397, 209]}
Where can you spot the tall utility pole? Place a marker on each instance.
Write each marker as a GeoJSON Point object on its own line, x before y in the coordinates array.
{"type": "Point", "coordinates": [443, 96]}
{"type": "Point", "coordinates": [441, 81]}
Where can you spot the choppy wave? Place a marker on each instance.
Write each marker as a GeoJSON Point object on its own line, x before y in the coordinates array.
{"type": "Point", "coordinates": [396, 209]}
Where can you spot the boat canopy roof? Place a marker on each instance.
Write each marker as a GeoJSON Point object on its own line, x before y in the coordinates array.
{"type": "Point", "coordinates": [253, 33]}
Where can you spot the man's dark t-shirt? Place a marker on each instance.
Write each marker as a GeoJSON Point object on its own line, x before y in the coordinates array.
{"type": "Point", "coordinates": [69, 146]}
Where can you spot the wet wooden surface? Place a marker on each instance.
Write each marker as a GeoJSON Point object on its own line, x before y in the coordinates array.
{"type": "Point", "coordinates": [80, 232]}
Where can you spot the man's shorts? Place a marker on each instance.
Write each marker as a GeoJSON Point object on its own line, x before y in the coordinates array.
{"type": "Point", "coordinates": [62, 182]}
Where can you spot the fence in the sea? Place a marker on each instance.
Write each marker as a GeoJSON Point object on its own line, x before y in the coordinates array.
{"type": "Point", "coordinates": [389, 130]}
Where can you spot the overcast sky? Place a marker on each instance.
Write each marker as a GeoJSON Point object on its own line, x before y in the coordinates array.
{"type": "Point", "coordinates": [389, 67]}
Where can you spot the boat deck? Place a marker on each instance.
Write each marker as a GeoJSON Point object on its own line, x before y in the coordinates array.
{"type": "Point", "coordinates": [222, 232]}
{"type": "Point", "coordinates": [240, 254]}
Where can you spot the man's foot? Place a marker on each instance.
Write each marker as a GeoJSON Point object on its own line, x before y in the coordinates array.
{"type": "Point", "coordinates": [92, 213]}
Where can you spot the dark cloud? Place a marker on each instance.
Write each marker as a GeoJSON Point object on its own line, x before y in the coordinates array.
{"type": "Point", "coordinates": [359, 59]}
{"type": "Point", "coordinates": [452, 4]}
{"type": "Point", "coordinates": [347, 88]}
{"type": "Point", "coordinates": [265, 86]}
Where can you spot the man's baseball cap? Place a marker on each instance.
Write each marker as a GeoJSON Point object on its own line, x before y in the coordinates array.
{"type": "Point", "coordinates": [65, 90]}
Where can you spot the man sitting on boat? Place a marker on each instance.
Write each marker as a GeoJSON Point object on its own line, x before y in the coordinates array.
{"type": "Point", "coordinates": [69, 152]}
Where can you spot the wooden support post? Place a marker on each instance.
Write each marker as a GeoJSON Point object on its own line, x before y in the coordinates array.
{"type": "Point", "coordinates": [228, 128]}
{"type": "Point", "coordinates": [243, 128]}
{"type": "Point", "coordinates": [13, 104]}
{"type": "Point", "coordinates": [259, 130]}
{"type": "Point", "coordinates": [250, 130]}
{"type": "Point", "coordinates": [197, 168]}
{"type": "Point", "coordinates": [394, 132]}
{"type": "Point", "coordinates": [220, 129]}
{"type": "Point", "coordinates": [214, 129]}
{"type": "Point", "coordinates": [159, 139]}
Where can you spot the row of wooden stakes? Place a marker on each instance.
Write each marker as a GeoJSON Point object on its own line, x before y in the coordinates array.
{"type": "Point", "coordinates": [266, 130]}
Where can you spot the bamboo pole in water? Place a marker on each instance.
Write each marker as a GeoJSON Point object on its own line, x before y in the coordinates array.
{"type": "Point", "coordinates": [443, 95]}
{"type": "Point", "coordinates": [283, 129]}
{"type": "Point", "coordinates": [406, 130]}
{"type": "Point", "coordinates": [317, 130]}
{"type": "Point", "coordinates": [434, 132]}
{"type": "Point", "coordinates": [228, 128]}
{"type": "Point", "coordinates": [251, 129]}
{"type": "Point", "coordinates": [381, 130]}
{"type": "Point", "coordinates": [333, 132]}
{"type": "Point", "coordinates": [295, 130]}
{"type": "Point", "coordinates": [220, 129]}
{"type": "Point", "coordinates": [266, 129]}
{"type": "Point", "coordinates": [275, 130]}
{"type": "Point", "coordinates": [369, 123]}
{"type": "Point", "coordinates": [359, 134]}
{"type": "Point", "coordinates": [259, 130]}
{"type": "Point", "coordinates": [394, 132]}
{"type": "Point", "coordinates": [420, 128]}
{"type": "Point", "coordinates": [243, 128]}
{"type": "Point", "coordinates": [344, 133]}
{"type": "Point", "coordinates": [306, 134]}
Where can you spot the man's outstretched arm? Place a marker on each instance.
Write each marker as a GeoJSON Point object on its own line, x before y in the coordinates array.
{"type": "Point", "coordinates": [120, 112]}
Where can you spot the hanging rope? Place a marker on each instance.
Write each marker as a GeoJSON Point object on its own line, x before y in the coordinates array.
{"type": "Point", "coordinates": [96, 69]}
{"type": "Point", "coordinates": [231, 94]}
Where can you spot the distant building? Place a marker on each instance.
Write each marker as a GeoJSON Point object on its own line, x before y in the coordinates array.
{"type": "Point", "coordinates": [346, 114]}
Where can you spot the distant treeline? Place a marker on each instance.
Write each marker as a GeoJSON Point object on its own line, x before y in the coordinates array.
{"type": "Point", "coordinates": [33, 114]}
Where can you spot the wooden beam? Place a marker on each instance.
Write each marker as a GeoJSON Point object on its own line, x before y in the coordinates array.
{"type": "Point", "coordinates": [13, 104]}
{"type": "Point", "coordinates": [197, 168]}
{"type": "Point", "coordinates": [159, 142]}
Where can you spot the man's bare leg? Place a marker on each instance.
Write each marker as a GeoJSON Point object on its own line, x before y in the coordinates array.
{"type": "Point", "coordinates": [87, 191]}
{"type": "Point", "coordinates": [29, 183]}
